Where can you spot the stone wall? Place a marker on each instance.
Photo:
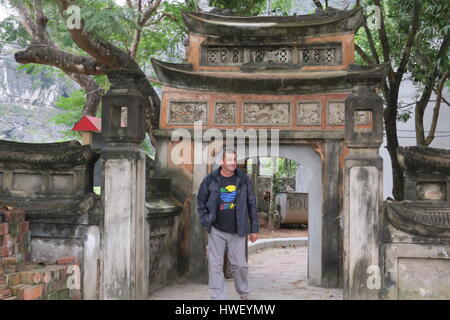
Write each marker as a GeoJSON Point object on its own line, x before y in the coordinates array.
{"type": "Point", "coordinates": [52, 185]}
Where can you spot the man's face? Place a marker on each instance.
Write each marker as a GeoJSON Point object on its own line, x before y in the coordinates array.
{"type": "Point", "coordinates": [229, 161]}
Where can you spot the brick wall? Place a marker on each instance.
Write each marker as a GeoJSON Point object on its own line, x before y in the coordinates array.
{"type": "Point", "coordinates": [21, 279]}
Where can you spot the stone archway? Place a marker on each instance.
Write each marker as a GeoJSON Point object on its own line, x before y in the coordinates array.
{"type": "Point", "coordinates": [323, 259]}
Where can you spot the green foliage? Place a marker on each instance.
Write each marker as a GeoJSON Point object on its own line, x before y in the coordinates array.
{"type": "Point", "coordinates": [148, 148]}
{"type": "Point", "coordinates": [404, 114]}
{"type": "Point", "coordinates": [286, 168]}
{"type": "Point", "coordinates": [162, 37]}
{"type": "Point", "coordinates": [424, 59]}
{"type": "Point", "coordinates": [73, 107]}
{"type": "Point", "coordinates": [42, 75]}
{"type": "Point", "coordinates": [109, 21]}
{"type": "Point", "coordinates": [11, 31]}
{"type": "Point", "coordinates": [239, 7]}
{"type": "Point", "coordinates": [282, 7]}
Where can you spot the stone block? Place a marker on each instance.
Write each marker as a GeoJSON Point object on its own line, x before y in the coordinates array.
{"type": "Point", "coordinates": [67, 260]}
{"type": "Point", "coordinates": [3, 228]}
{"type": "Point", "coordinates": [31, 277]}
{"type": "Point", "coordinates": [32, 292]}
{"type": "Point", "coordinates": [13, 279]}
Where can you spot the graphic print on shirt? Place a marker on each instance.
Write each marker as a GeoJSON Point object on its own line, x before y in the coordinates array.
{"type": "Point", "coordinates": [228, 197]}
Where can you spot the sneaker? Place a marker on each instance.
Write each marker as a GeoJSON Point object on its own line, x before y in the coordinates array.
{"type": "Point", "coordinates": [244, 297]}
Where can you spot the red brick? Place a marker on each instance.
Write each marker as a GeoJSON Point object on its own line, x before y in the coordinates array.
{"type": "Point", "coordinates": [7, 216]}
{"type": "Point", "coordinates": [24, 226]}
{"type": "Point", "coordinates": [13, 279]}
{"type": "Point", "coordinates": [3, 228]}
{"type": "Point", "coordinates": [6, 251]}
{"type": "Point", "coordinates": [47, 277]}
{"type": "Point", "coordinates": [31, 277]}
{"type": "Point", "coordinates": [8, 240]}
{"type": "Point", "coordinates": [9, 260]}
{"type": "Point", "coordinates": [67, 260]}
{"type": "Point", "coordinates": [5, 293]}
{"type": "Point", "coordinates": [17, 290]}
{"type": "Point", "coordinates": [20, 237]}
{"type": "Point", "coordinates": [32, 292]}
{"type": "Point", "coordinates": [18, 216]}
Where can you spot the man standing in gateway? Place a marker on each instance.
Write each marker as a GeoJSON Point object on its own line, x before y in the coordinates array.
{"type": "Point", "coordinates": [226, 205]}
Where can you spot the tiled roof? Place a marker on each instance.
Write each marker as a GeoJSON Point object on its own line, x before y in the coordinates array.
{"type": "Point", "coordinates": [69, 153]}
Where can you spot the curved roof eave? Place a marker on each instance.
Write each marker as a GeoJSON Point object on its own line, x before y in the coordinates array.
{"type": "Point", "coordinates": [173, 75]}
{"type": "Point", "coordinates": [232, 26]}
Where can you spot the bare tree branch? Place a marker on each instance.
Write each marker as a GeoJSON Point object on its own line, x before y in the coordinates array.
{"type": "Point", "coordinates": [141, 23]}
{"type": "Point", "coordinates": [363, 55]}
{"type": "Point", "coordinates": [410, 42]}
{"type": "Point", "coordinates": [53, 56]}
{"type": "Point", "coordinates": [437, 107]}
{"type": "Point", "coordinates": [371, 42]}
{"type": "Point", "coordinates": [426, 93]}
{"type": "Point", "coordinates": [385, 42]}
{"type": "Point", "coordinates": [93, 93]}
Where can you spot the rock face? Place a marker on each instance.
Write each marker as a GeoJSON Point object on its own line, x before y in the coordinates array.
{"type": "Point", "coordinates": [27, 102]}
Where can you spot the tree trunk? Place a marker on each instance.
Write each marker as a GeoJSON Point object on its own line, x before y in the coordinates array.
{"type": "Point", "coordinates": [390, 123]}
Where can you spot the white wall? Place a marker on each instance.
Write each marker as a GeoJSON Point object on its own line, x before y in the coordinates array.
{"type": "Point", "coordinates": [407, 137]}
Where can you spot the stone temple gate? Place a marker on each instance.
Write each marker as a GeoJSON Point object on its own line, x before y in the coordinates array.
{"type": "Point", "coordinates": [296, 75]}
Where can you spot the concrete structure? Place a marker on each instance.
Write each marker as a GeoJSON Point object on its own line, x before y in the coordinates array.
{"type": "Point", "coordinates": [416, 232]}
{"type": "Point", "coordinates": [124, 265]}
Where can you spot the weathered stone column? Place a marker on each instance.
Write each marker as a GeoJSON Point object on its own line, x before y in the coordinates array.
{"type": "Point", "coordinates": [198, 262]}
{"type": "Point", "coordinates": [330, 222]}
{"type": "Point", "coordinates": [363, 190]}
{"type": "Point", "coordinates": [124, 271]}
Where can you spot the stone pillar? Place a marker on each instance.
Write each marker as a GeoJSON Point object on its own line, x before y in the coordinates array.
{"type": "Point", "coordinates": [198, 262]}
{"type": "Point", "coordinates": [124, 272]}
{"type": "Point", "coordinates": [330, 211]}
{"type": "Point", "coordinates": [363, 192]}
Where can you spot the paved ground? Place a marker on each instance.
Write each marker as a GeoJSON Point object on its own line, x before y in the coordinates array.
{"type": "Point", "coordinates": [278, 274]}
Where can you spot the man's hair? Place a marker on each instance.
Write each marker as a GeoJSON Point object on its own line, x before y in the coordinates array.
{"type": "Point", "coordinates": [227, 150]}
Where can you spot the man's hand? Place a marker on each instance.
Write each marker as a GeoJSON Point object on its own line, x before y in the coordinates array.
{"type": "Point", "coordinates": [253, 237]}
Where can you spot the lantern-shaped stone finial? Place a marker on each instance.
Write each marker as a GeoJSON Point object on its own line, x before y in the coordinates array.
{"type": "Point", "coordinates": [123, 114]}
{"type": "Point", "coordinates": [364, 109]}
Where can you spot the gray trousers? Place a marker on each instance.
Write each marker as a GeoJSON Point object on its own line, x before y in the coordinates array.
{"type": "Point", "coordinates": [217, 241]}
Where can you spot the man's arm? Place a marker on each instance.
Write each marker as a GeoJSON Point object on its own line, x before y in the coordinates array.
{"type": "Point", "coordinates": [202, 199]}
{"type": "Point", "coordinates": [252, 210]}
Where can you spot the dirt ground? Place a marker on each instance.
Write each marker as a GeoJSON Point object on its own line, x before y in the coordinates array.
{"type": "Point", "coordinates": [285, 232]}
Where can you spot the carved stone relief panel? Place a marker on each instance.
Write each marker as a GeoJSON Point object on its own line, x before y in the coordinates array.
{"type": "Point", "coordinates": [363, 117]}
{"type": "Point", "coordinates": [320, 55]}
{"type": "Point", "coordinates": [271, 55]}
{"type": "Point", "coordinates": [223, 56]}
{"type": "Point", "coordinates": [336, 113]}
{"type": "Point", "coordinates": [225, 113]}
{"type": "Point", "coordinates": [309, 54]}
{"type": "Point", "coordinates": [185, 112]}
{"type": "Point", "coordinates": [308, 113]}
{"type": "Point", "coordinates": [267, 113]}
